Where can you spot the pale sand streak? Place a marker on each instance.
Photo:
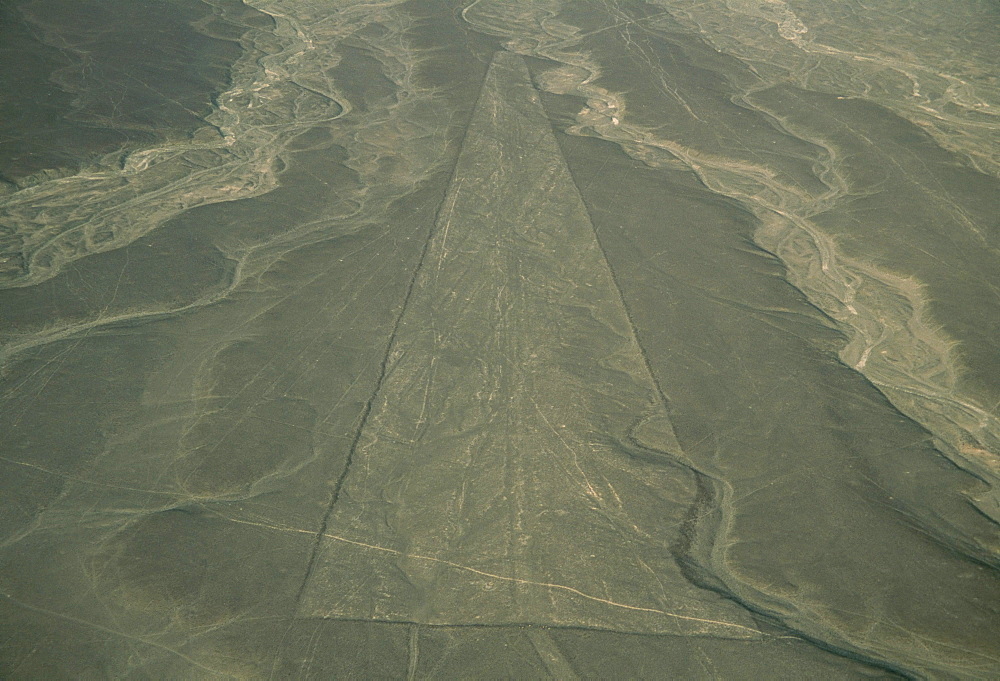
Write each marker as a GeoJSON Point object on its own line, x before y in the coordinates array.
{"type": "Point", "coordinates": [491, 575]}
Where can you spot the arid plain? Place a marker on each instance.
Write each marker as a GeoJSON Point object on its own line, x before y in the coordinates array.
{"type": "Point", "coordinates": [505, 338]}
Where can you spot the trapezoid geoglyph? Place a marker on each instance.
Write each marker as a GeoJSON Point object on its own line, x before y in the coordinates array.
{"type": "Point", "coordinates": [515, 466]}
